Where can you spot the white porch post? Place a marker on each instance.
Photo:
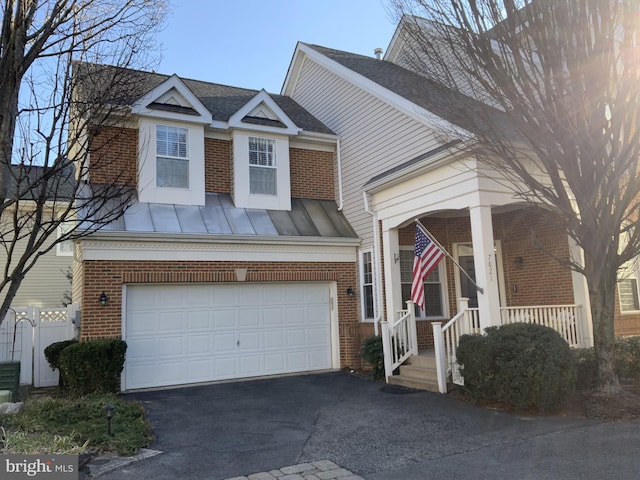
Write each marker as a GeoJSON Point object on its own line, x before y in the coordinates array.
{"type": "Point", "coordinates": [581, 296]}
{"type": "Point", "coordinates": [392, 285]}
{"type": "Point", "coordinates": [485, 265]}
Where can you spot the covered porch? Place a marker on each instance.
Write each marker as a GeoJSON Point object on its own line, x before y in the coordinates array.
{"type": "Point", "coordinates": [502, 265]}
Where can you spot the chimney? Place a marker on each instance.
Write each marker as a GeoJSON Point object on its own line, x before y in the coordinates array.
{"type": "Point", "coordinates": [378, 53]}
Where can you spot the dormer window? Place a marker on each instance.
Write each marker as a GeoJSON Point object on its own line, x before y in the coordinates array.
{"type": "Point", "coordinates": [172, 157]}
{"type": "Point", "coordinates": [262, 167]}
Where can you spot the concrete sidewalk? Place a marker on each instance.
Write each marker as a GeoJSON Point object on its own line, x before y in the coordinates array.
{"type": "Point", "coordinates": [222, 431]}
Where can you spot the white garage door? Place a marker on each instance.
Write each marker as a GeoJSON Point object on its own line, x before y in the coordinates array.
{"type": "Point", "coordinates": [179, 334]}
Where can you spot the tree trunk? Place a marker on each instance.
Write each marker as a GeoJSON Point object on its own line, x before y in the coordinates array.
{"type": "Point", "coordinates": [602, 297]}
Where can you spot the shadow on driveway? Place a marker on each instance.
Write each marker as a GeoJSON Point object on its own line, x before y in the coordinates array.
{"type": "Point", "coordinates": [220, 431]}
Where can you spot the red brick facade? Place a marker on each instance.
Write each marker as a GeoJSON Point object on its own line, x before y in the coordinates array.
{"type": "Point", "coordinates": [113, 156]}
{"type": "Point", "coordinates": [217, 166]}
{"type": "Point", "coordinates": [311, 174]}
{"type": "Point", "coordinates": [110, 276]}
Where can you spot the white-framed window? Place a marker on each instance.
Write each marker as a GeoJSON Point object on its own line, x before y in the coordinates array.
{"type": "Point", "coordinates": [172, 157]}
{"type": "Point", "coordinates": [64, 248]}
{"type": "Point", "coordinates": [366, 285]}
{"type": "Point", "coordinates": [628, 281]}
{"type": "Point", "coordinates": [434, 298]}
{"type": "Point", "coordinates": [628, 295]}
{"type": "Point", "coordinates": [262, 167]}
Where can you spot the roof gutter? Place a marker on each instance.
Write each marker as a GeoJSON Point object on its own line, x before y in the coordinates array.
{"type": "Point", "coordinates": [220, 239]}
{"type": "Point", "coordinates": [339, 161]}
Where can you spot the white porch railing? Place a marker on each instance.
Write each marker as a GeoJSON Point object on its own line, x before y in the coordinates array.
{"type": "Point", "coordinates": [399, 339]}
{"type": "Point", "coordinates": [564, 319]}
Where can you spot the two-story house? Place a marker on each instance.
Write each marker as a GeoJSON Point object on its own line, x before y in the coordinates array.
{"type": "Point", "coordinates": [234, 259]}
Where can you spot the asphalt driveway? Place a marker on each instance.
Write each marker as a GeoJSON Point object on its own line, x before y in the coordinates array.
{"type": "Point", "coordinates": [215, 432]}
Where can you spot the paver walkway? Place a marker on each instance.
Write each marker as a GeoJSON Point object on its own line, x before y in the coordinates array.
{"type": "Point", "coordinates": [321, 470]}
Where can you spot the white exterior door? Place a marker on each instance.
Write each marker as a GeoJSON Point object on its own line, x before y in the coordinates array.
{"type": "Point", "coordinates": [181, 334]}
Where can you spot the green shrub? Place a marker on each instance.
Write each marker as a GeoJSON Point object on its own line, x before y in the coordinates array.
{"type": "Point", "coordinates": [626, 361]}
{"type": "Point", "coordinates": [627, 358]}
{"type": "Point", "coordinates": [52, 352]}
{"type": "Point", "coordinates": [586, 368]}
{"type": "Point", "coordinates": [93, 366]}
{"type": "Point", "coordinates": [522, 365]}
{"type": "Point", "coordinates": [373, 354]}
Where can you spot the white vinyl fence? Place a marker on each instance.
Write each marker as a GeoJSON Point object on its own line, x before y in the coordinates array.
{"type": "Point", "coordinates": [26, 332]}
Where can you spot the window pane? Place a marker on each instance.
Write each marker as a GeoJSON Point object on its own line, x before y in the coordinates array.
{"type": "Point", "coordinates": [367, 285]}
{"type": "Point", "coordinates": [172, 172]}
{"type": "Point", "coordinates": [368, 301]}
{"type": "Point", "coordinates": [262, 181]}
{"type": "Point", "coordinates": [432, 287]}
{"type": "Point", "coordinates": [432, 300]}
{"type": "Point", "coordinates": [171, 141]}
{"type": "Point", "coordinates": [628, 292]}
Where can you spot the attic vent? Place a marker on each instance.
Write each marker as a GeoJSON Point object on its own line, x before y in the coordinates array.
{"type": "Point", "coordinates": [378, 53]}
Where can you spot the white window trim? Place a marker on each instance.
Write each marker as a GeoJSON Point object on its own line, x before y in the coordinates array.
{"type": "Point", "coordinates": [444, 291]}
{"type": "Point", "coordinates": [363, 309]}
{"type": "Point", "coordinates": [242, 197]}
{"type": "Point", "coordinates": [633, 272]}
{"type": "Point", "coordinates": [273, 160]}
{"type": "Point", "coordinates": [66, 247]}
{"type": "Point", "coordinates": [148, 191]}
{"type": "Point", "coordinates": [186, 158]}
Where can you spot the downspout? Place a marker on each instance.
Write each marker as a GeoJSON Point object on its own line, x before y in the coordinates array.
{"type": "Point", "coordinates": [377, 263]}
{"type": "Point", "coordinates": [339, 161]}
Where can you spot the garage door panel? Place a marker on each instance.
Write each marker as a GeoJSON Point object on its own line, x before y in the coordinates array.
{"type": "Point", "coordinates": [197, 344]}
{"type": "Point", "coordinates": [274, 362]}
{"type": "Point", "coordinates": [181, 334]}
{"type": "Point", "coordinates": [225, 342]}
{"type": "Point", "coordinates": [317, 358]}
{"type": "Point", "coordinates": [249, 318]}
{"type": "Point", "coordinates": [250, 365]}
{"type": "Point", "coordinates": [272, 317]}
{"type": "Point", "coordinates": [249, 340]}
{"type": "Point", "coordinates": [297, 338]}
{"type": "Point", "coordinates": [224, 319]}
{"type": "Point", "coordinates": [224, 367]}
{"type": "Point", "coordinates": [170, 345]}
{"type": "Point", "coordinates": [296, 315]}
{"type": "Point", "coordinates": [273, 339]}
{"type": "Point", "coordinates": [319, 337]}
{"type": "Point", "coordinates": [198, 320]}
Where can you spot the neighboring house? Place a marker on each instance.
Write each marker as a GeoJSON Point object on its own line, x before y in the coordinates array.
{"type": "Point", "coordinates": [47, 284]}
{"type": "Point", "coordinates": [234, 259]}
{"type": "Point", "coordinates": [405, 155]}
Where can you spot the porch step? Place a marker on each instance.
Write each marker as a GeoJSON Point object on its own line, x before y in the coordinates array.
{"type": "Point", "coordinates": [418, 372]}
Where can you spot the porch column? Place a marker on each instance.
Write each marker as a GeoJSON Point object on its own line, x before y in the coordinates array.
{"type": "Point", "coordinates": [581, 295]}
{"type": "Point", "coordinates": [392, 285]}
{"type": "Point", "coordinates": [485, 265]}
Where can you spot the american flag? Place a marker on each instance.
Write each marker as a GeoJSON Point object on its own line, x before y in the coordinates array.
{"type": "Point", "coordinates": [427, 257]}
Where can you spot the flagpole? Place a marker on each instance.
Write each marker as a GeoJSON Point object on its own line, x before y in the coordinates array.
{"type": "Point", "coordinates": [432, 238]}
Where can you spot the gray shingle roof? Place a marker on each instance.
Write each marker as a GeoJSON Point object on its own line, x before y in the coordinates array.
{"type": "Point", "coordinates": [456, 108]}
{"type": "Point", "coordinates": [221, 100]}
{"type": "Point", "coordinates": [307, 218]}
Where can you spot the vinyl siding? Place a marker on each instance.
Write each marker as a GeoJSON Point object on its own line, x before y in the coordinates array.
{"type": "Point", "coordinates": [45, 284]}
{"type": "Point", "coordinates": [375, 136]}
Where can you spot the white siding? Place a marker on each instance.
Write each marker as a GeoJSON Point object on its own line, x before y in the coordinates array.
{"type": "Point", "coordinates": [46, 282]}
{"type": "Point", "coordinates": [375, 136]}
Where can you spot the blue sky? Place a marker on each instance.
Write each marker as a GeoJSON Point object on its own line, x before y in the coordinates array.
{"type": "Point", "coordinates": [249, 43]}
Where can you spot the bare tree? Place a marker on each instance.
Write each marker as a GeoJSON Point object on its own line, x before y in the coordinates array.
{"type": "Point", "coordinates": [566, 75]}
{"type": "Point", "coordinates": [58, 107]}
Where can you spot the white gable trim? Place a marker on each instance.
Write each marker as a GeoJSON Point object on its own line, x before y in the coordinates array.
{"type": "Point", "coordinates": [263, 97]}
{"type": "Point", "coordinates": [418, 113]}
{"type": "Point", "coordinates": [141, 107]}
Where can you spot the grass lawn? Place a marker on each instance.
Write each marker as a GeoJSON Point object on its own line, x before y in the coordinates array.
{"type": "Point", "coordinates": [70, 425]}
